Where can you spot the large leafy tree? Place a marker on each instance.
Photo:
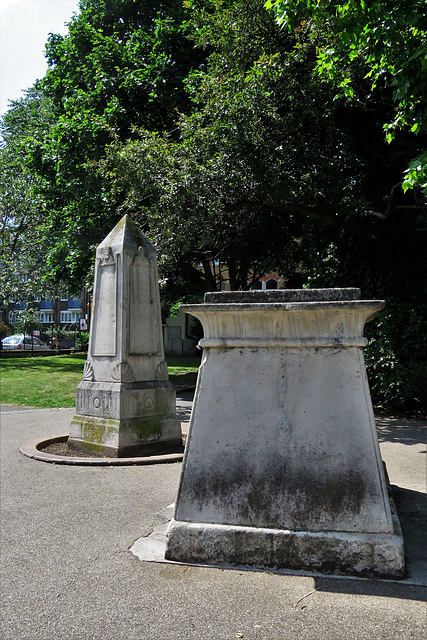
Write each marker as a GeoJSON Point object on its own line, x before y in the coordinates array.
{"type": "Point", "coordinates": [257, 167]}
{"type": "Point", "coordinates": [387, 39]}
{"type": "Point", "coordinates": [22, 207]}
{"type": "Point", "coordinates": [270, 167]}
{"type": "Point", "coordinates": [121, 65]}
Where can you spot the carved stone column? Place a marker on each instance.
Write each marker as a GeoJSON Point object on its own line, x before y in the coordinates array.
{"type": "Point", "coordinates": [125, 404]}
{"type": "Point", "coordinates": [282, 465]}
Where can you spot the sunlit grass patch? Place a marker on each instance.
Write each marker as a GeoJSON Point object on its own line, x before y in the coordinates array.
{"type": "Point", "coordinates": [51, 381]}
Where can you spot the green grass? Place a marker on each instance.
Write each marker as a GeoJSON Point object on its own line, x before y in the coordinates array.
{"type": "Point", "coordinates": [50, 381]}
{"type": "Point", "coordinates": [178, 365]}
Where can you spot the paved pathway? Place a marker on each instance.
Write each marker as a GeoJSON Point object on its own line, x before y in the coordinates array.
{"type": "Point", "coordinates": [68, 574]}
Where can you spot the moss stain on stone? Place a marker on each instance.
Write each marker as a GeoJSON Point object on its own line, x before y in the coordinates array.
{"type": "Point", "coordinates": [98, 431]}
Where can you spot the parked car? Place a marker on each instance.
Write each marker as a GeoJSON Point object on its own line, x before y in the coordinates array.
{"type": "Point", "coordinates": [20, 342]}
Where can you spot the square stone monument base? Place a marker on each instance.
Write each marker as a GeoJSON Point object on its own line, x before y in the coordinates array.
{"type": "Point", "coordinates": [359, 554]}
{"type": "Point", "coordinates": [125, 419]}
{"type": "Point", "coordinates": [282, 467]}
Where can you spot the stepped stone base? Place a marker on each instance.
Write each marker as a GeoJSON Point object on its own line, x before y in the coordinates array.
{"type": "Point", "coordinates": [358, 554]}
{"type": "Point", "coordinates": [126, 419]}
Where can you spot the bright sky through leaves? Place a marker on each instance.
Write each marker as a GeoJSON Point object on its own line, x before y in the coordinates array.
{"type": "Point", "coordinates": [24, 29]}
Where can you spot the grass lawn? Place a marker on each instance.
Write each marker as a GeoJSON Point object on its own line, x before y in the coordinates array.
{"type": "Point", "coordinates": [50, 381]}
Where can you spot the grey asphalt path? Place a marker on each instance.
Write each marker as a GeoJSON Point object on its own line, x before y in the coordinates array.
{"type": "Point", "coordinates": [68, 574]}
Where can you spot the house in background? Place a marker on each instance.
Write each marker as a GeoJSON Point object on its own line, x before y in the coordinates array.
{"type": "Point", "coordinates": [61, 312]}
{"type": "Point", "coordinates": [180, 332]}
{"type": "Point", "coordinates": [270, 281]}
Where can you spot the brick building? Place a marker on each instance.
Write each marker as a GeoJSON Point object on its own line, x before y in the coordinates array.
{"type": "Point", "coordinates": [64, 312]}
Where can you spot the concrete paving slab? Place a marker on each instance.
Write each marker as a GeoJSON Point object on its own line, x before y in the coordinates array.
{"type": "Point", "coordinates": [67, 572]}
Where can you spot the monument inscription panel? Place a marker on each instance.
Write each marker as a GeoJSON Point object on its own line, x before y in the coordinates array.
{"type": "Point", "coordinates": [105, 311]}
{"type": "Point", "coordinates": [142, 296]}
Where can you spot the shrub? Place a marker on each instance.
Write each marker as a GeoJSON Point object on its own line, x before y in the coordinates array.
{"type": "Point", "coordinates": [4, 330]}
{"type": "Point", "coordinates": [82, 341]}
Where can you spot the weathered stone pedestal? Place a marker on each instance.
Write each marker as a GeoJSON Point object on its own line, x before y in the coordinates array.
{"type": "Point", "coordinates": [125, 405]}
{"type": "Point", "coordinates": [282, 466]}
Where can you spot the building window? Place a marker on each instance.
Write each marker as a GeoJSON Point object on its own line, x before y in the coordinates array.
{"type": "Point", "coordinates": [46, 317]}
{"type": "Point", "coordinates": [12, 317]}
{"type": "Point", "coordinates": [70, 317]}
{"type": "Point", "coordinates": [271, 284]}
{"type": "Point", "coordinates": [74, 303]}
{"type": "Point", "coordinates": [47, 304]}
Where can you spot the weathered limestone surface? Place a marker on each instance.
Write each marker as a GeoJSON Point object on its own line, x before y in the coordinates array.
{"type": "Point", "coordinates": [282, 465]}
{"type": "Point", "coordinates": [125, 404]}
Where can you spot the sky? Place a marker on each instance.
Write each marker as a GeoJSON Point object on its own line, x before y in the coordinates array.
{"type": "Point", "coordinates": [24, 29]}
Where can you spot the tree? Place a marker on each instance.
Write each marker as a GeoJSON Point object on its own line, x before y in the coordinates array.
{"type": "Point", "coordinates": [268, 169]}
{"type": "Point", "coordinates": [388, 40]}
{"type": "Point", "coordinates": [22, 207]}
{"type": "Point", "coordinates": [121, 65]}
{"type": "Point", "coordinates": [247, 179]}
{"type": "Point", "coordinates": [27, 321]}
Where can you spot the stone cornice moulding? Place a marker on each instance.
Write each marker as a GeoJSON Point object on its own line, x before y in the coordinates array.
{"type": "Point", "coordinates": [287, 325]}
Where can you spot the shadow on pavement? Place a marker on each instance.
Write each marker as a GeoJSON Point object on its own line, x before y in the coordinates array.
{"type": "Point", "coordinates": [401, 431]}
{"type": "Point", "coordinates": [412, 511]}
{"type": "Point", "coordinates": [376, 588]}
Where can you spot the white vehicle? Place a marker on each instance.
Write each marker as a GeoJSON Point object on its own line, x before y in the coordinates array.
{"type": "Point", "coordinates": [20, 342]}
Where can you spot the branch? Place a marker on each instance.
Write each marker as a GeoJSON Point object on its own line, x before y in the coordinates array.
{"type": "Point", "coordinates": [301, 210]}
{"type": "Point", "coordinates": [391, 206]}
{"type": "Point", "coordinates": [283, 207]}
{"type": "Point", "coordinates": [412, 206]}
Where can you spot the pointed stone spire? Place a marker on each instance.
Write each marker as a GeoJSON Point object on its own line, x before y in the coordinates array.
{"type": "Point", "coordinates": [125, 404]}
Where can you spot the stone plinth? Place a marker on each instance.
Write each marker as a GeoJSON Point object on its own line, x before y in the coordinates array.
{"type": "Point", "coordinates": [125, 404]}
{"type": "Point", "coordinates": [282, 466]}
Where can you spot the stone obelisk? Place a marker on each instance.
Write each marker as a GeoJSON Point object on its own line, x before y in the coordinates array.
{"type": "Point", "coordinates": [125, 404]}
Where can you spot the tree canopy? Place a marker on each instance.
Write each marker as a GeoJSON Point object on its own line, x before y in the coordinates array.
{"type": "Point", "coordinates": [237, 144]}
{"type": "Point", "coordinates": [385, 38]}
{"type": "Point", "coordinates": [120, 66]}
{"type": "Point", "coordinates": [22, 206]}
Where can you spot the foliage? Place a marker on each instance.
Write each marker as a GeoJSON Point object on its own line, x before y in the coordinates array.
{"type": "Point", "coordinates": [267, 169]}
{"type": "Point", "coordinates": [259, 168]}
{"type": "Point", "coordinates": [386, 38]}
{"type": "Point", "coordinates": [387, 261]}
{"type": "Point", "coordinates": [121, 65]}
{"type": "Point", "coordinates": [4, 330]}
{"type": "Point", "coordinates": [82, 343]}
{"type": "Point", "coordinates": [27, 321]}
{"type": "Point", "coordinates": [22, 206]}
